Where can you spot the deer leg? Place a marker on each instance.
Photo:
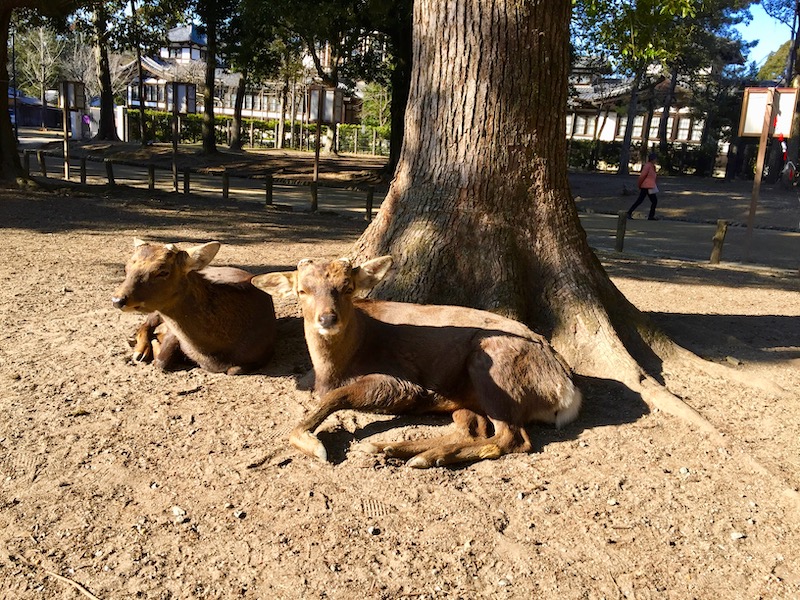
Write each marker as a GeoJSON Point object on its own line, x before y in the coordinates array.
{"type": "Point", "coordinates": [469, 425]}
{"type": "Point", "coordinates": [507, 439]}
{"type": "Point", "coordinates": [142, 340]}
{"type": "Point", "coordinates": [371, 393]}
{"type": "Point", "coordinates": [167, 352]}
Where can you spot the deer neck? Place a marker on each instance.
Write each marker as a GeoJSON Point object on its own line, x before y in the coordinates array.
{"type": "Point", "coordinates": [333, 354]}
{"type": "Point", "coordinates": [187, 309]}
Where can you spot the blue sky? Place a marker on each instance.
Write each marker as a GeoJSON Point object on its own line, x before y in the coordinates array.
{"type": "Point", "coordinates": [770, 33]}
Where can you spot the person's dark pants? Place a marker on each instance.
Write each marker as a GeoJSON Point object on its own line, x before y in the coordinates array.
{"type": "Point", "coordinates": [653, 202]}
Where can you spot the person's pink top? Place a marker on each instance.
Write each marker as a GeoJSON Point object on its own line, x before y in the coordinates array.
{"type": "Point", "coordinates": [647, 178]}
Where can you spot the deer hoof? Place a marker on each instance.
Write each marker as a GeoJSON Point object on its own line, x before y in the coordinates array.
{"type": "Point", "coordinates": [490, 451]}
{"type": "Point", "coordinates": [368, 447]}
{"type": "Point", "coordinates": [419, 462]}
{"type": "Point", "coordinates": [308, 444]}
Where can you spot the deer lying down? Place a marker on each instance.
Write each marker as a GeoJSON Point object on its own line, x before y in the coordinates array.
{"type": "Point", "coordinates": [212, 316]}
{"type": "Point", "coordinates": [398, 358]}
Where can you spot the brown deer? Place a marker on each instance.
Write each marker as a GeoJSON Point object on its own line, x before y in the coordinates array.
{"type": "Point", "coordinates": [212, 316]}
{"type": "Point", "coordinates": [399, 358]}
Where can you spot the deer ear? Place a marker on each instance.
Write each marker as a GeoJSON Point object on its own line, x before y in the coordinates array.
{"type": "Point", "coordinates": [280, 285]}
{"type": "Point", "coordinates": [372, 272]}
{"type": "Point", "coordinates": [137, 242]}
{"type": "Point", "coordinates": [201, 256]}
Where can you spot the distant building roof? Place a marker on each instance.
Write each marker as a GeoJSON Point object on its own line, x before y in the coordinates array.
{"type": "Point", "coordinates": [187, 34]}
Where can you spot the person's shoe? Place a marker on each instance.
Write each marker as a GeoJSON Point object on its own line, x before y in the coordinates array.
{"type": "Point", "coordinates": [652, 218]}
{"type": "Point", "coordinates": [630, 217]}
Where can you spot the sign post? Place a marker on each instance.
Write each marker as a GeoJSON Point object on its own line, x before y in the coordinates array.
{"type": "Point", "coordinates": [765, 112]}
{"type": "Point", "coordinates": [181, 100]}
{"type": "Point", "coordinates": [73, 97]}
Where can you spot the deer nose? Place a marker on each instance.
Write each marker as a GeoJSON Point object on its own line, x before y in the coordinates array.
{"type": "Point", "coordinates": [328, 320]}
{"type": "Point", "coordinates": [119, 301]}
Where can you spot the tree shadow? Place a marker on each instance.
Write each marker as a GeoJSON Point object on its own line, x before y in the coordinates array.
{"type": "Point", "coordinates": [161, 215]}
{"type": "Point", "coordinates": [756, 338]}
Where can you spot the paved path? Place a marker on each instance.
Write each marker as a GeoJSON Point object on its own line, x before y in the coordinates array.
{"type": "Point", "coordinates": [688, 210]}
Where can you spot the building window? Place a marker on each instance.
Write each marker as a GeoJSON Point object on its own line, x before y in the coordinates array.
{"type": "Point", "coordinates": [638, 125]}
{"type": "Point", "coordinates": [684, 125]}
{"type": "Point", "coordinates": [697, 130]}
{"type": "Point", "coordinates": [580, 124]}
{"type": "Point", "coordinates": [654, 123]}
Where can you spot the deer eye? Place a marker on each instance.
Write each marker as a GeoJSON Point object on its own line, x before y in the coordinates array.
{"type": "Point", "coordinates": [162, 274]}
{"type": "Point", "coordinates": [301, 292]}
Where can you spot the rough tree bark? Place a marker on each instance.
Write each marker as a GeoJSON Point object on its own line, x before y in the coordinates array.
{"type": "Point", "coordinates": [209, 130]}
{"type": "Point", "coordinates": [480, 211]}
{"type": "Point", "coordinates": [10, 165]}
{"type": "Point", "coordinates": [236, 128]}
{"type": "Point", "coordinates": [106, 129]}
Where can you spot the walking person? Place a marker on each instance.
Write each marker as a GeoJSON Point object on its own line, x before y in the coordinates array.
{"type": "Point", "coordinates": [647, 187]}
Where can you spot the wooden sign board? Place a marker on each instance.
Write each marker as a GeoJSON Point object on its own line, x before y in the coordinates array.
{"type": "Point", "coordinates": [754, 106]}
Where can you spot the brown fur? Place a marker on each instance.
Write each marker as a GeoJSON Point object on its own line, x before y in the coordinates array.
{"type": "Point", "coordinates": [391, 357]}
{"type": "Point", "coordinates": [212, 316]}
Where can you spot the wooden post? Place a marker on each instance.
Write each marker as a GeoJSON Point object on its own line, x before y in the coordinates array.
{"type": "Point", "coordinates": [175, 130]}
{"type": "Point", "coordinates": [320, 107]}
{"type": "Point", "coordinates": [151, 177]}
{"type": "Point", "coordinates": [65, 128]}
{"type": "Point", "coordinates": [622, 222]}
{"type": "Point", "coordinates": [268, 182]}
{"type": "Point", "coordinates": [718, 240]}
{"type": "Point", "coordinates": [26, 162]}
{"type": "Point", "coordinates": [110, 171]}
{"type": "Point", "coordinates": [314, 195]}
{"type": "Point", "coordinates": [226, 185]}
{"type": "Point", "coordinates": [42, 165]}
{"type": "Point", "coordinates": [769, 115]}
{"type": "Point", "coordinates": [186, 182]}
{"type": "Point", "coordinates": [83, 170]}
{"type": "Point", "coordinates": [370, 198]}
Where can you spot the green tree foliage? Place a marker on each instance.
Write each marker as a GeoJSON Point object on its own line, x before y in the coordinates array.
{"type": "Point", "coordinates": [679, 36]}
{"type": "Point", "coordinates": [775, 65]}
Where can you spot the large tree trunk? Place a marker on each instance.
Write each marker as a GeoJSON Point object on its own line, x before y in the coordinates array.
{"type": "Point", "coordinates": [236, 133]}
{"type": "Point", "coordinates": [106, 129]}
{"type": "Point", "coordinates": [480, 211]}
{"type": "Point", "coordinates": [10, 167]}
{"type": "Point", "coordinates": [209, 133]}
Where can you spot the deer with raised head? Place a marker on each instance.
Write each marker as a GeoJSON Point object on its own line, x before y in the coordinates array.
{"type": "Point", "coordinates": [212, 316]}
{"type": "Point", "coordinates": [492, 373]}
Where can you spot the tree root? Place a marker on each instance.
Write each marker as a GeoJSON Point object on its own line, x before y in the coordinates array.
{"type": "Point", "coordinates": [718, 370]}
{"type": "Point", "coordinates": [658, 396]}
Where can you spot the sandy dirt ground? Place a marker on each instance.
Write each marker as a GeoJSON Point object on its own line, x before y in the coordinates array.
{"type": "Point", "coordinates": [120, 481]}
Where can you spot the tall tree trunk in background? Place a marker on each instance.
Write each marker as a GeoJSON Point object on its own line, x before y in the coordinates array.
{"type": "Point", "coordinates": [401, 80]}
{"type": "Point", "coordinates": [236, 133]}
{"type": "Point", "coordinates": [10, 166]}
{"type": "Point", "coordinates": [480, 211]}
{"type": "Point", "coordinates": [663, 137]}
{"type": "Point", "coordinates": [280, 142]}
{"type": "Point", "coordinates": [633, 106]}
{"type": "Point", "coordinates": [142, 114]}
{"type": "Point", "coordinates": [106, 129]}
{"type": "Point", "coordinates": [209, 133]}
